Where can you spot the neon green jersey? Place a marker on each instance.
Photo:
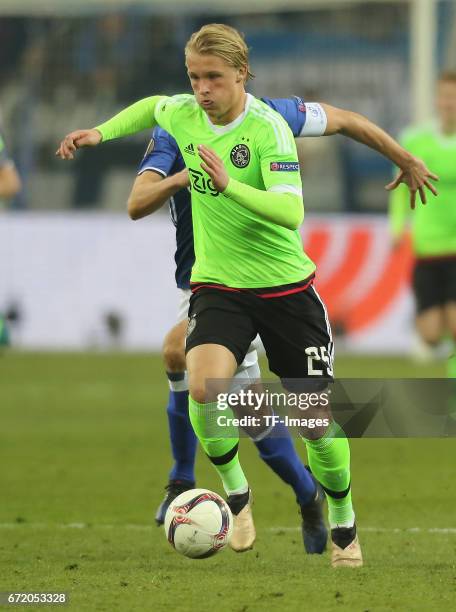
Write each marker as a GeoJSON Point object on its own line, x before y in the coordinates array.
{"type": "Point", "coordinates": [433, 225]}
{"type": "Point", "coordinates": [234, 246]}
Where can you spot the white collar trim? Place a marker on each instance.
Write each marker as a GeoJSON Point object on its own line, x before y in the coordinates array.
{"type": "Point", "coordinates": [223, 129]}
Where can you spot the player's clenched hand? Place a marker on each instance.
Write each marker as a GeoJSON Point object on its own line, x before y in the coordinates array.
{"type": "Point", "coordinates": [75, 140]}
{"type": "Point", "coordinates": [213, 165]}
{"type": "Point", "coordinates": [416, 176]}
{"type": "Point", "coordinates": [181, 179]}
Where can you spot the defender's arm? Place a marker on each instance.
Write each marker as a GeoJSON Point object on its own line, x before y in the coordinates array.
{"type": "Point", "coordinates": [151, 190]}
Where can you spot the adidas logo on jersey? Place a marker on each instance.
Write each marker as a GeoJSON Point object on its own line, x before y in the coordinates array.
{"type": "Point", "coordinates": [190, 149]}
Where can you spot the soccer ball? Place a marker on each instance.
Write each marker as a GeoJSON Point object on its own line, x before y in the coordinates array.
{"type": "Point", "coordinates": [198, 523]}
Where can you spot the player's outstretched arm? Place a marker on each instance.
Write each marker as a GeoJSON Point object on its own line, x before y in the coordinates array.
{"type": "Point", "coordinates": [151, 190]}
{"type": "Point", "coordinates": [413, 172]}
{"type": "Point", "coordinates": [135, 118]}
{"type": "Point", "coordinates": [285, 209]}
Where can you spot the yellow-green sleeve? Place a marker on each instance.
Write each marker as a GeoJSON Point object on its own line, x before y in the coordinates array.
{"type": "Point", "coordinates": [285, 209]}
{"type": "Point", "coordinates": [135, 118]}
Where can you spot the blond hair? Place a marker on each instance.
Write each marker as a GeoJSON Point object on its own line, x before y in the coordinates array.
{"type": "Point", "coordinates": [223, 41]}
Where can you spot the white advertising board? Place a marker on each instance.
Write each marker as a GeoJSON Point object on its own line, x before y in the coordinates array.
{"type": "Point", "coordinates": [67, 272]}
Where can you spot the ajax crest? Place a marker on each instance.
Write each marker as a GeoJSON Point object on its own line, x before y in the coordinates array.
{"type": "Point", "coordinates": [240, 156]}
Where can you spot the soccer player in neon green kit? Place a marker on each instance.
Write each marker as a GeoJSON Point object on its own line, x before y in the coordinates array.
{"type": "Point", "coordinates": [433, 227]}
{"type": "Point", "coordinates": [251, 274]}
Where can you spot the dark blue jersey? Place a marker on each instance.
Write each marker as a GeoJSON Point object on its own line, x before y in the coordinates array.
{"type": "Point", "coordinates": [163, 156]}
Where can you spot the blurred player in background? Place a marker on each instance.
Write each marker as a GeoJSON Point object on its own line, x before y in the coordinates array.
{"type": "Point", "coordinates": [286, 310]}
{"type": "Point", "coordinates": [433, 227]}
{"type": "Point", "coordinates": [10, 185]}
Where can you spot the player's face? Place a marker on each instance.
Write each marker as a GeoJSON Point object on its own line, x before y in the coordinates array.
{"type": "Point", "coordinates": [446, 103]}
{"type": "Point", "coordinates": [217, 85]}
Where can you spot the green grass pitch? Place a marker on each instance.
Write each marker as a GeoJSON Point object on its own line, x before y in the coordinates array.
{"type": "Point", "coordinates": [84, 457]}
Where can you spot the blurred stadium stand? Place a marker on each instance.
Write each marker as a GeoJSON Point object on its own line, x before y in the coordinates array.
{"type": "Point", "coordinates": [59, 72]}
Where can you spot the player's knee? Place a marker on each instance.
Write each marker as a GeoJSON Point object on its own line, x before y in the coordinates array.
{"type": "Point", "coordinates": [173, 357]}
{"type": "Point", "coordinates": [431, 336]}
{"type": "Point", "coordinates": [431, 325]}
{"type": "Point", "coordinates": [198, 393]}
{"type": "Point", "coordinates": [173, 350]}
{"type": "Point", "coordinates": [452, 330]}
{"type": "Point", "coordinates": [205, 392]}
{"type": "Point", "coordinates": [315, 432]}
